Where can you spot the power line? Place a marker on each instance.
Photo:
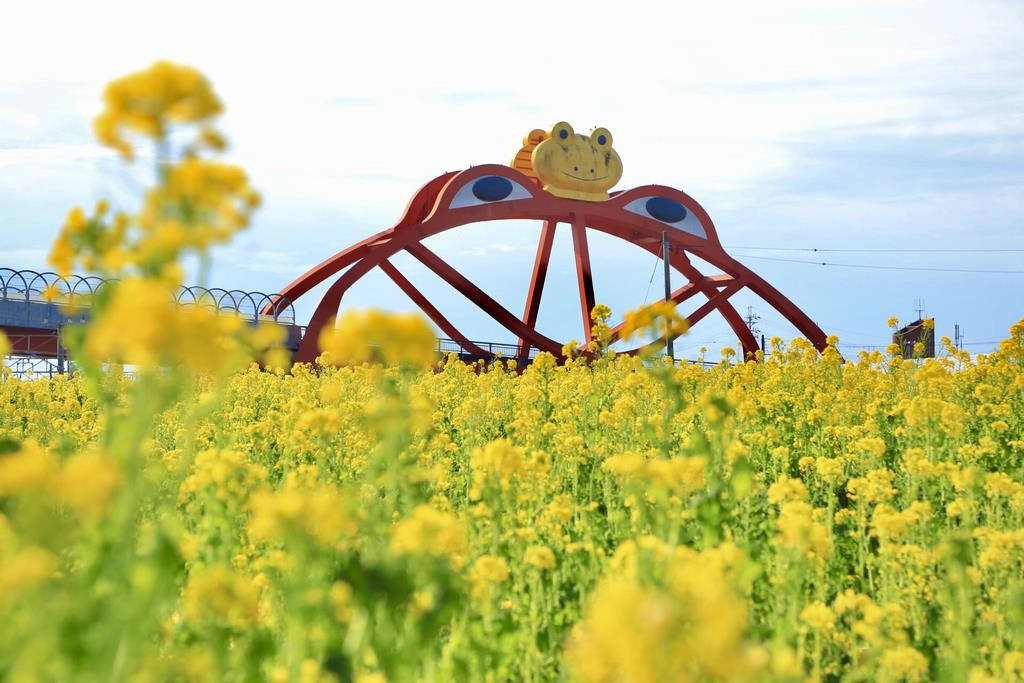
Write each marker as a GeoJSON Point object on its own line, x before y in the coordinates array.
{"type": "Point", "coordinates": [654, 270]}
{"type": "Point", "coordinates": [844, 345]}
{"type": "Point", "coordinates": [875, 267]}
{"type": "Point", "coordinates": [884, 251]}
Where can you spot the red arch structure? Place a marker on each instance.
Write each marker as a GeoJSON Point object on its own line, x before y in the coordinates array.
{"type": "Point", "coordinates": [459, 198]}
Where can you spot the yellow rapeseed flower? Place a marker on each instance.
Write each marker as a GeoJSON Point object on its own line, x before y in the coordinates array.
{"type": "Point", "coordinates": [221, 593]}
{"type": "Point", "coordinates": [540, 556]}
{"type": "Point", "coordinates": [819, 617]}
{"type": "Point", "coordinates": [28, 468]}
{"type": "Point", "coordinates": [87, 481]}
{"type": "Point", "coordinates": [320, 514]}
{"type": "Point", "coordinates": [498, 462]}
{"type": "Point", "coordinates": [904, 663]}
{"type": "Point", "coordinates": [691, 628]}
{"type": "Point", "coordinates": [150, 101]}
{"type": "Point", "coordinates": [23, 570]}
{"type": "Point", "coordinates": [655, 319]}
{"type": "Point", "coordinates": [429, 531]}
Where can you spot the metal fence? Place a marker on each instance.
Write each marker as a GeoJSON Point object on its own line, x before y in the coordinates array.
{"type": "Point", "coordinates": [45, 299]}
{"type": "Point", "coordinates": [493, 350]}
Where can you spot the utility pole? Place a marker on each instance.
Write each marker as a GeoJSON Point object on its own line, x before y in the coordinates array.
{"type": "Point", "coordinates": [752, 325]}
{"type": "Point", "coordinates": [751, 321]}
{"type": "Point", "coordinates": [958, 338]}
{"type": "Point", "coordinates": [665, 247]}
{"type": "Point", "coordinates": [60, 349]}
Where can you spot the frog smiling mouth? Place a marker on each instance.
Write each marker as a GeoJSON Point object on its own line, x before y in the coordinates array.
{"type": "Point", "coordinates": [587, 180]}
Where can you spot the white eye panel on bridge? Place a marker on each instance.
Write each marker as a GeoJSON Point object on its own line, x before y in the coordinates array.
{"type": "Point", "coordinates": [687, 223]}
{"type": "Point", "coordinates": [488, 189]}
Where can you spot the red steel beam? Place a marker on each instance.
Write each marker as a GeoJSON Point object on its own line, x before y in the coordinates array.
{"type": "Point", "coordinates": [683, 294]}
{"type": "Point", "coordinates": [32, 341]}
{"type": "Point", "coordinates": [729, 313]}
{"type": "Point", "coordinates": [415, 211]}
{"type": "Point", "coordinates": [773, 297]}
{"type": "Point", "coordinates": [325, 269]}
{"type": "Point", "coordinates": [482, 300]}
{"type": "Point", "coordinates": [584, 277]}
{"type": "Point", "coordinates": [309, 347]}
{"type": "Point", "coordinates": [711, 304]}
{"type": "Point", "coordinates": [540, 272]}
{"type": "Point", "coordinates": [746, 337]}
{"type": "Point", "coordinates": [417, 297]}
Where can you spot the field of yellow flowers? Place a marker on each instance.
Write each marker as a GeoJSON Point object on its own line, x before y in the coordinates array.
{"type": "Point", "coordinates": [208, 518]}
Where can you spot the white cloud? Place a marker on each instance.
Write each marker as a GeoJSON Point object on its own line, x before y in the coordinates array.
{"type": "Point", "coordinates": [724, 89]}
{"type": "Point", "coordinates": [25, 259]}
{"type": "Point", "coordinates": [41, 157]}
{"type": "Point", "coordinates": [12, 116]}
{"type": "Point", "coordinates": [490, 250]}
{"type": "Point", "coordinates": [261, 261]}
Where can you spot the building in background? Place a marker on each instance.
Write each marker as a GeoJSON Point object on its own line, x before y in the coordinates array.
{"type": "Point", "coordinates": [921, 330]}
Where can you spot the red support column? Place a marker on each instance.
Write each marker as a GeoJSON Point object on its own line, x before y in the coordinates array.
{"type": "Point", "coordinates": [540, 272]}
{"type": "Point", "coordinates": [583, 274]}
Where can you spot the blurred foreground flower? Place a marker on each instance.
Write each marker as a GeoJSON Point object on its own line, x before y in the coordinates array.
{"type": "Point", "coordinates": [375, 336]}
{"type": "Point", "coordinates": [689, 625]}
{"type": "Point", "coordinates": [195, 202]}
{"type": "Point", "coordinates": [142, 325]}
{"type": "Point", "coordinates": [656, 320]}
{"type": "Point", "coordinates": [151, 101]}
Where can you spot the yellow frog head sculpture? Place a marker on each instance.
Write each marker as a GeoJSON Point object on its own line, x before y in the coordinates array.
{"type": "Point", "coordinates": [576, 166]}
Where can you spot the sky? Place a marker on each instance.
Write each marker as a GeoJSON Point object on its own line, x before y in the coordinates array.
{"type": "Point", "coordinates": [879, 130]}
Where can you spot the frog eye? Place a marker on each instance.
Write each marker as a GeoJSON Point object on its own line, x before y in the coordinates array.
{"type": "Point", "coordinates": [487, 190]}
{"type": "Point", "coordinates": [668, 211]}
{"type": "Point", "coordinates": [601, 138]}
{"type": "Point", "coordinates": [562, 131]}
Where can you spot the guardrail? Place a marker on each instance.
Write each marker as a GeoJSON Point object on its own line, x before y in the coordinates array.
{"type": "Point", "coordinates": [493, 349]}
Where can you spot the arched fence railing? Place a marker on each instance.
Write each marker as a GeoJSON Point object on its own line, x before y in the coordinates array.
{"type": "Point", "coordinates": [23, 290]}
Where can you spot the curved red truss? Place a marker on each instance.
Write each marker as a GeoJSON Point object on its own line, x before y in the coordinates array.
{"type": "Point", "coordinates": [450, 201]}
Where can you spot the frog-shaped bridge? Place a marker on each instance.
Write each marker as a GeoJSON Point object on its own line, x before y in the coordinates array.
{"type": "Point", "coordinates": [558, 177]}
